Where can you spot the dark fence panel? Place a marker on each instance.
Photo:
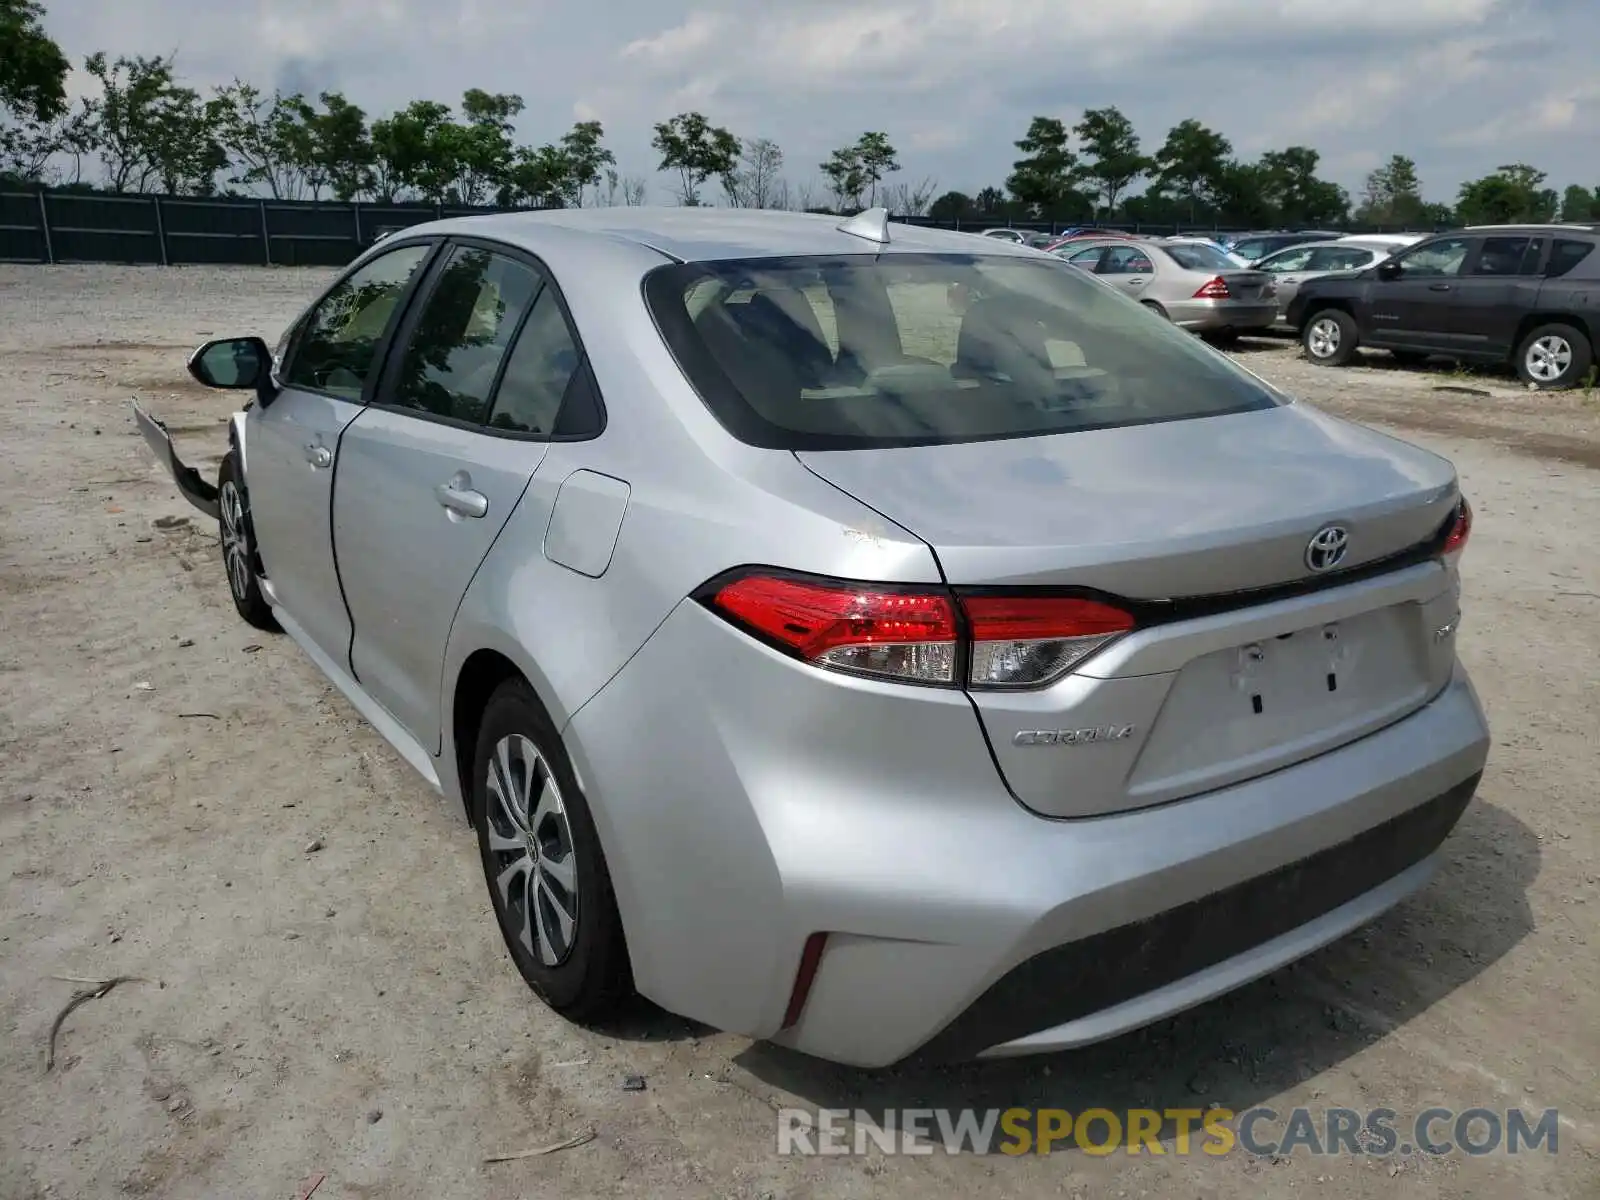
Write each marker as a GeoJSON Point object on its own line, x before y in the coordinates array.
{"type": "Point", "coordinates": [48, 226]}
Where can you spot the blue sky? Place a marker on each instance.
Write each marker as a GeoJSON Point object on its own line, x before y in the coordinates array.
{"type": "Point", "coordinates": [1459, 85]}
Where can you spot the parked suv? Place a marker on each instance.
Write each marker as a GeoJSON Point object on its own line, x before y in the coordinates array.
{"type": "Point", "coordinates": [1527, 294]}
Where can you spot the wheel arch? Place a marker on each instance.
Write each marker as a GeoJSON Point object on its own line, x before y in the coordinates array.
{"type": "Point", "coordinates": [1310, 308]}
{"type": "Point", "coordinates": [1545, 316]}
{"type": "Point", "coordinates": [482, 672]}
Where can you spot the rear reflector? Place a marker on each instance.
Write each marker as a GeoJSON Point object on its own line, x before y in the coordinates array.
{"type": "Point", "coordinates": [810, 960]}
{"type": "Point", "coordinates": [1217, 289]}
{"type": "Point", "coordinates": [915, 634]}
{"type": "Point", "coordinates": [1456, 540]}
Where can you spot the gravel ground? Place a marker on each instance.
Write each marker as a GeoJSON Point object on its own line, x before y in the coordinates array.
{"type": "Point", "coordinates": [349, 1011]}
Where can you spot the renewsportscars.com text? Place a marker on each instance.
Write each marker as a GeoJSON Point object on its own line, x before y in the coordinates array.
{"type": "Point", "coordinates": [1378, 1132]}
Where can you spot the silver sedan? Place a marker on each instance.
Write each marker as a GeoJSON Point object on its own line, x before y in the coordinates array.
{"type": "Point", "coordinates": [1195, 286]}
{"type": "Point", "coordinates": [847, 635]}
{"type": "Point", "coordinates": [1291, 267]}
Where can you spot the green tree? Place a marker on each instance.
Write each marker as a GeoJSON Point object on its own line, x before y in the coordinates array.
{"type": "Point", "coordinates": [33, 70]}
{"type": "Point", "coordinates": [755, 183]}
{"type": "Point", "coordinates": [1392, 195]}
{"type": "Point", "coordinates": [991, 201]}
{"type": "Point", "coordinates": [846, 177]}
{"type": "Point", "coordinates": [1290, 187]}
{"type": "Point", "coordinates": [697, 150]}
{"type": "Point", "coordinates": [876, 158]}
{"type": "Point", "coordinates": [481, 150]}
{"type": "Point", "coordinates": [1579, 203]}
{"type": "Point", "coordinates": [1112, 144]}
{"type": "Point", "coordinates": [1190, 165]}
{"type": "Point", "coordinates": [342, 146]}
{"type": "Point", "coordinates": [1514, 193]}
{"type": "Point", "coordinates": [586, 157]}
{"type": "Point", "coordinates": [149, 130]}
{"type": "Point", "coordinates": [1044, 180]}
{"type": "Point", "coordinates": [952, 206]}
{"type": "Point", "coordinates": [268, 138]}
{"type": "Point", "coordinates": [416, 148]}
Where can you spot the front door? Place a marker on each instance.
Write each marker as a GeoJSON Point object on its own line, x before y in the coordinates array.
{"type": "Point", "coordinates": [431, 471]}
{"type": "Point", "coordinates": [292, 444]}
{"type": "Point", "coordinates": [1414, 310]}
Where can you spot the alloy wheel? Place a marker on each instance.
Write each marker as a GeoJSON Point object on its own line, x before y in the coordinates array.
{"type": "Point", "coordinates": [535, 871]}
{"type": "Point", "coordinates": [236, 551]}
{"type": "Point", "coordinates": [1549, 358]}
{"type": "Point", "coordinates": [1324, 339]}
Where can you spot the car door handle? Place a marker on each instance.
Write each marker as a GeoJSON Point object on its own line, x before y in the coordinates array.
{"type": "Point", "coordinates": [319, 456]}
{"type": "Point", "coordinates": [459, 498]}
{"type": "Point", "coordinates": [1438, 287]}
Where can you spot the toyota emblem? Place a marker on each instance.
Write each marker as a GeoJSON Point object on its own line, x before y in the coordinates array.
{"type": "Point", "coordinates": [1326, 550]}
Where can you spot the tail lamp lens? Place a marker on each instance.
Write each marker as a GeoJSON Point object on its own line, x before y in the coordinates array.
{"type": "Point", "coordinates": [1216, 289]}
{"type": "Point", "coordinates": [1025, 641]}
{"type": "Point", "coordinates": [1456, 540]}
{"type": "Point", "coordinates": [919, 636]}
{"type": "Point", "coordinates": [856, 628]}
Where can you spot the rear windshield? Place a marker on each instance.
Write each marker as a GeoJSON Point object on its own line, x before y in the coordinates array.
{"type": "Point", "coordinates": [1201, 258]}
{"type": "Point", "coordinates": [904, 350]}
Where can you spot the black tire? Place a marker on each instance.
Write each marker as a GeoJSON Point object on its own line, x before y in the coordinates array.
{"type": "Point", "coordinates": [1553, 357]}
{"type": "Point", "coordinates": [1409, 358]}
{"type": "Point", "coordinates": [1330, 338]}
{"type": "Point", "coordinates": [240, 559]}
{"type": "Point", "coordinates": [589, 975]}
{"type": "Point", "coordinates": [1223, 337]}
{"type": "Point", "coordinates": [1156, 308]}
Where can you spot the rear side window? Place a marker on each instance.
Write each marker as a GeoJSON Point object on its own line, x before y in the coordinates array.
{"type": "Point", "coordinates": [900, 350]}
{"type": "Point", "coordinates": [338, 345]}
{"type": "Point", "coordinates": [1565, 255]}
{"type": "Point", "coordinates": [1298, 259]}
{"type": "Point", "coordinates": [1509, 256]}
{"type": "Point", "coordinates": [460, 338]}
{"type": "Point", "coordinates": [1333, 258]}
{"type": "Point", "coordinates": [541, 368]}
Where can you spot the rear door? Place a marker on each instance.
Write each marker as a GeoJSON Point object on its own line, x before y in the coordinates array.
{"type": "Point", "coordinates": [431, 471]}
{"type": "Point", "coordinates": [1415, 310]}
{"type": "Point", "coordinates": [292, 444]}
{"type": "Point", "coordinates": [1288, 269]}
{"type": "Point", "coordinates": [1499, 285]}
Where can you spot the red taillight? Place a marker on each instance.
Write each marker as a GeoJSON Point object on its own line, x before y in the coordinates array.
{"type": "Point", "coordinates": [915, 635]}
{"type": "Point", "coordinates": [862, 628]}
{"type": "Point", "coordinates": [1217, 289]}
{"type": "Point", "coordinates": [1456, 540]}
{"type": "Point", "coordinates": [1022, 641]}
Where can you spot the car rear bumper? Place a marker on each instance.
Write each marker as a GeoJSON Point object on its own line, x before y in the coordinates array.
{"type": "Point", "coordinates": [760, 801]}
{"type": "Point", "coordinates": [1204, 316]}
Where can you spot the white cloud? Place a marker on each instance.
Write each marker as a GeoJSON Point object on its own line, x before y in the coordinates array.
{"type": "Point", "coordinates": [1458, 85]}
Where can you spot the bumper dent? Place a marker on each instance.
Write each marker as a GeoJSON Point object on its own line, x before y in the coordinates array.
{"type": "Point", "coordinates": [194, 489]}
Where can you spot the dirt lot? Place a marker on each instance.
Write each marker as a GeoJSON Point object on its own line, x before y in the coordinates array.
{"type": "Point", "coordinates": [350, 1011]}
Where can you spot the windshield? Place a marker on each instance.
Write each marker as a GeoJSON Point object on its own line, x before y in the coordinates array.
{"type": "Point", "coordinates": [910, 349]}
{"type": "Point", "coordinates": [1201, 258]}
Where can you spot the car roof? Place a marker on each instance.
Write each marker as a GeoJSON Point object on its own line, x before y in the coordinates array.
{"type": "Point", "coordinates": [704, 234]}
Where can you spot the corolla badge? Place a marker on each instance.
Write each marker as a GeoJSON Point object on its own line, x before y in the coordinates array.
{"type": "Point", "coordinates": [1071, 737]}
{"type": "Point", "coordinates": [1327, 548]}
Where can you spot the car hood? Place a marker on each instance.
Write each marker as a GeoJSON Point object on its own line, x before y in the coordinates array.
{"type": "Point", "coordinates": [1183, 508]}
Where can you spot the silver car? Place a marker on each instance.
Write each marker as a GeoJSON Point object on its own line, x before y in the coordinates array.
{"type": "Point", "coordinates": [1196, 287]}
{"type": "Point", "coordinates": [1291, 267]}
{"type": "Point", "coordinates": [847, 638]}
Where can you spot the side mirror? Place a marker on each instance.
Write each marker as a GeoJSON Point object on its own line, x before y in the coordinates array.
{"type": "Point", "coordinates": [1389, 269]}
{"type": "Point", "coordinates": [232, 363]}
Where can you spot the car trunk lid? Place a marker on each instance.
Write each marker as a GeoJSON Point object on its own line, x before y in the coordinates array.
{"type": "Point", "coordinates": [1247, 658]}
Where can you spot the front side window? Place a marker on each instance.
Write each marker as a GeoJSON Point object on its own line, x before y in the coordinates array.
{"type": "Point", "coordinates": [337, 347]}
{"type": "Point", "coordinates": [1298, 259]}
{"type": "Point", "coordinates": [454, 352]}
{"type": "Point", "coordinates": [1441, 258]}
{"type": "Point", "coordinates": [1338, 258]}
{"type": "Point", "coordinates": [1126, 260]}
{"type": "Point", "coordinates": [861, 351]}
